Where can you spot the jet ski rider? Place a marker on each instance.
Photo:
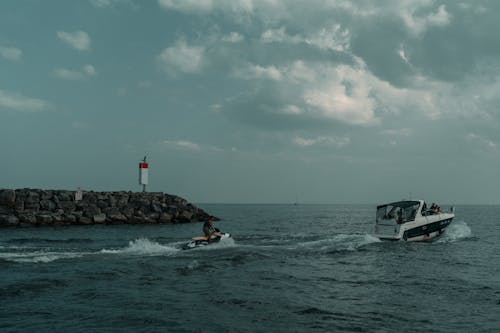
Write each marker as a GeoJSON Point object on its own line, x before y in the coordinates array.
{"type": "Point", "coordinates": [209, 230]}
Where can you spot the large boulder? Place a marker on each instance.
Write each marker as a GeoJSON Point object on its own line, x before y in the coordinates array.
{"type": "Point", "coordinates": [7, 198]}
{"type": "Point", "coordinates": [9, 220]}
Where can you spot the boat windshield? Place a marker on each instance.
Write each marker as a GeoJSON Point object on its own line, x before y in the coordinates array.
{"type": "Point", "coordinates": [401, 212]}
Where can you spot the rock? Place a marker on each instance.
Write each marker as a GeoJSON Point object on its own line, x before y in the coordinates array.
{"type": "Point", "coordinates": [69, 218]}
{"type": "Point", "coordinates": [7, 198]}
{"type": "Point", "coordinates": [102, 204]}
{"type": "Point", "coordinates": [44, 218]}
{"type": "Point", "coordinates": [6, 210]}
{"type": "Point", "coordinates": [153, 216]}
{"type": "Point", "coordinates": [47, 205]}
{"type": "Point", "coordinates": [122, 200]}
{"type": "Point", "coordinates": [165, 218]}
{"type": "Point", "coordinates": [65, 196]}
{"type": "Point", "coordinates": [67, 206]}
{"type": "Point", "coordinates": [33, 198]}
{"type": "Point", "coordinates": [91, 210]}
{"type": "Point", "coordinates": [32, 207]}
{"type": "Point", "coordinates": [156, 207]}
{"type": "Point", "coordinates": [8, 220]}
{"type": "Point", "coordinates": [84, 220]}
{"type": "Point", "coordinates": [29, 218]}
{"type": "Point", "coordinates": [99, 218]}
{"type": "Point", "coordinates": [114, 215]}
{"type": "Point", "coordinates": [186, 215]}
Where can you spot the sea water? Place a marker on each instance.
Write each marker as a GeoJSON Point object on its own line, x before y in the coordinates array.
{"type": "Point", "coordinates": [288, 268]}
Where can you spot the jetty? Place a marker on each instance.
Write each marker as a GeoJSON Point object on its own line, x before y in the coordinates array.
{"type": "Point", "coordinates": [37, 207]}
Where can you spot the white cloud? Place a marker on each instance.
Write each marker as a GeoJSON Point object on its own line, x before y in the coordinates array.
{"type": "Point", "coordinates": [233, 37]}
{"type": "Point", "coordinates": [292, 110]}
{"type": "Point", "coordinates": [113, 3]}
{"type": "Point", "coordinates": [206, 6]}
{"type": "Point", "coordinates": [102, 3]}
{"type": "Point", "coordinates": [299, 71]}
{"type": "Point", "coordinates": [187, 5]}
{"type": "Point", "coordinates": [89, 70]}
{"type": "Point", "coordinates": [251, 71]}
{"type": "Point", "coordinates": [10, 53]}
{"type": "Point", "coordinates": [398, 132]}
{"type": "Point", "coordinates": [346, 96]}
{"type": "Point", "coordinates": [402, 54]}
{"type": "Point", "coordinates": [182, 144]}
{"type": "Point", "coordinates": [418, 24]}
{"type": "Point", "coordinates": [78, 40]}
{"type": "Point", "coordinates": [484, 143]}
{"type": "Point", "coordinates": [338, 142]}
{"type": "Point", "coordinates": [72, 74]}
{"type": "Point", "coordinates": [182, 57]}
{"type": "Point", "coordinates": [332, 38]}
{"type": "Point", "coordinates": [18, 102]}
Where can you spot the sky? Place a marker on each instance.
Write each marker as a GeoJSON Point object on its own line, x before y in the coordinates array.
{"type": "Point", "coordinates": [254, 101]}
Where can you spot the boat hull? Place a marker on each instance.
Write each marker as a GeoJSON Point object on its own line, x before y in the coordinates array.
{"type": "Point", "coordinates": [418, 232]}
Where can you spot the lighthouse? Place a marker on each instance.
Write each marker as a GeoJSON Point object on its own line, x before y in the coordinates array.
{"type": "Point", "coordinates": [143, 174]}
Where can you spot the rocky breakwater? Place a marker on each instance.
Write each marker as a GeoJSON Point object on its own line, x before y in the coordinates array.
{"type": "Point", "coordinates": [33, 207]}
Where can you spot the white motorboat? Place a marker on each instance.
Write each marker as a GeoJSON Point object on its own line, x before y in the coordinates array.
{"type": "Point", "coordinates": [410, 221]}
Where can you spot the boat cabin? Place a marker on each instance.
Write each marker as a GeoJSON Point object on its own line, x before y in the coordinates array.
{"type": "Point", "coordinates": [400, 212]}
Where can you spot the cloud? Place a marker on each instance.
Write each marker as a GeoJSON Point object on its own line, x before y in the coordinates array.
{"type": "Point", "coordinates": [398, 132]}
{"type": "Point", "coordinates": [402, 54]}
{"type": "Point", "coordinates": [206, 6]}
{"type": "Point", "coordinates": [251, 71]}
{"type": "Point", "coordinates": [346, 97]}
{"type": "Point", "coordinates": [182, 144]}
{"type": "Point", "coordinates": [78, 40]}
{"type": "Point", "coordinates": [11, 53]}
{"type": "Point", "coordinates": [479, 140]}
{"type": "Point", "coordinates": [18, 102]}
{"type": "Point", "coordinates": [71, 74]}
{"type": "Point", "coordinates": [333, 38]}
{"type": "Point", "coordinates": [418, 24]}
{"type": "Point", "coordinates": [233, 37]}
{"type": "Point", "coordinates": [182, 57]}
{"type": "Point", "coordinates": [338, 142]}
{"type": "Point", "coordinates": [187, 5]}
{"type": "Point", "coordinates": [110, 3]}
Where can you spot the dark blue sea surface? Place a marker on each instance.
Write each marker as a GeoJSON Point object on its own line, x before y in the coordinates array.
{"type": "Point", "coordinates": [303, 268]}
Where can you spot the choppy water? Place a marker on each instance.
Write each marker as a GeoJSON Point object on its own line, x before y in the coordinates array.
{"type": "Point", "coordinates": [299, 268]}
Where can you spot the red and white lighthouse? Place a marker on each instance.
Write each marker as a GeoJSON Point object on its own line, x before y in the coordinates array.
{"type": "Point", "coordinates": [143, 174]}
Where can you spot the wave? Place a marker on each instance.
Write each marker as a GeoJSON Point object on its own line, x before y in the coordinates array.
{"type": "Point", "coordinates": [143, 246]}
{"type": "Point", "coordinates": [349, 242]}
{"type": "Point", "coordinates": [455, 232]}
{"type": "Point", "coordinates": [39, 256]}
{"type": "Point", "coordinates": [49, 240]}
{"type": "Point", "coordinates": [340, 242]}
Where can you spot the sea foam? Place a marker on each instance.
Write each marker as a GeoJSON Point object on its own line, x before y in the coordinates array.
{"type": "Point", "coordinates": [143, 246]}
{"type": "Point", "coordinates": [455, 232]}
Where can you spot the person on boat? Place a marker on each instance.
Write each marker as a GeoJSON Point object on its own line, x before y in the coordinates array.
{"type": "Point", "coordinates": [209, 230]}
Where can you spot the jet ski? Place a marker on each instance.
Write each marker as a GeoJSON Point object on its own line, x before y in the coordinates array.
{"type": "Point", "coordinates": [202, 241]}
